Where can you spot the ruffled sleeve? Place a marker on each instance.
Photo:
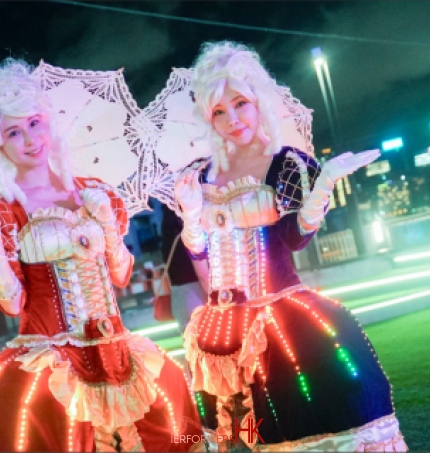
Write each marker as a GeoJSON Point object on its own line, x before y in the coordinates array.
{"type": "Point", "coordinates": [296, 173]}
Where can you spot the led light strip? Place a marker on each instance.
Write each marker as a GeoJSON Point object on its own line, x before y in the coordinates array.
{"type": "Point", "coordinates": [329, 292]}
{"type": "Point", "coordinates": [399, 300]}
{"type": "Point", "coordinates": [375, 283]}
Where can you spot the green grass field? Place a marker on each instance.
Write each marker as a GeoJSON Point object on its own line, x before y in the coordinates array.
{"type": "Point", "coordinates": [403, 347]}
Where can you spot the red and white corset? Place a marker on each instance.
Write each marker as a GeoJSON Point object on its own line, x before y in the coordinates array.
{"type": "Point", "coordinates": [73, 243]}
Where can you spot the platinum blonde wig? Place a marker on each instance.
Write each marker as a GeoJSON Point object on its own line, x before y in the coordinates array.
{"type": "Point", "coordinates": [20, 96]}
{"type": "Point", "coordinates": [236, 65]}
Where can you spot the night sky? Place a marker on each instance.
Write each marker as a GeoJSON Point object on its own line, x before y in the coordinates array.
{"type": "Point", "coordinates": [378, 52]}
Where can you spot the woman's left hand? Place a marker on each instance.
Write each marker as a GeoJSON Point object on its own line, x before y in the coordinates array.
{"type": "Point", "coordinates": [98, 204]}
{"type": "Point", "coordinates": [347, 163]}
{"type": "Point", "coordinates": [316, 205]}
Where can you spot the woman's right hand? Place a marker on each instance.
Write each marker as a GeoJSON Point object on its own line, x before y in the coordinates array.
{"type": "Point", "coordinates": [188, 191]}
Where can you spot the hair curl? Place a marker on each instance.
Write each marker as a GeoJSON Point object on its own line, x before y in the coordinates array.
{"type": "Point", "coordinates": [235, 64]}
{"type": "Point", "coordinates": [21, 95]}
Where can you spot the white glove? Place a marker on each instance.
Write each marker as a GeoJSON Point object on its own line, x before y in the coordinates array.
{"type": "Point", "coordinates": [10, 286]}
{"type": "Point", "coordinates": [118, 256]}
{"type": "Point", "coordinates": [315, 207]}
{"type": "Point", "coordinates": [98, 205]}
{"type": "Point", "coordinates": [189, 196]}
{"type": "Point", "coordinates": [188, 191]}
{"type": "Point", "coordinates": [347, 163]}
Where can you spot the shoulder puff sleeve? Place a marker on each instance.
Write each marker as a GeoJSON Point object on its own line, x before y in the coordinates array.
{"type": "Point", "coordinates": [296, 178]}
{"type": "Point", "coordinates": [297, 174]}
{"type": "Point", "coordinates": [9, 234]}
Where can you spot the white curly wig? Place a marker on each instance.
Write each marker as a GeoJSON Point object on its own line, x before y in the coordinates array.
{"type": "Point", "coordinates": [228, 62]}
{"type": "Point", "coordinates": [20, 95]}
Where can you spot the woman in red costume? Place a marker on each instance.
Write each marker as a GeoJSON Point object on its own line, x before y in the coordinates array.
{"type": "Point", "coordinates": [267, 351]}
{"type": "Point", "coordinates": [74, 379]}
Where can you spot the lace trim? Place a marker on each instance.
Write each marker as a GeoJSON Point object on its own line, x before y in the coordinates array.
{"type": "Point", "coordinates": [70, 223]}
{"type": "Point", "coordinates": [60, 212]}
{"type": "Point", "coordinates": [355, 439]}
{"type": "Point", "coordinates": [246, 181]}
{"type": "Point", "coordinates": [102, 403]}
{"type": "Point", "coordinates": [31, 341]}
{"type": "Point", "coordinates": [222, 195]}
{"type": "Point", "coordinates": [224, 375]}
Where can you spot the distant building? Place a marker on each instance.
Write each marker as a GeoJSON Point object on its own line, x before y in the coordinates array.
{"type": "Point", "coordinates": [393, 199]}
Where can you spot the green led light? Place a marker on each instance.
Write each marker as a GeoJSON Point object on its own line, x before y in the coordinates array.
{"type": "Point", "coordinates": [344, 356]}
{"type": "Point", "coordinates": [269, 401]}
{"type": "Point", "coordinates": [303, 384]}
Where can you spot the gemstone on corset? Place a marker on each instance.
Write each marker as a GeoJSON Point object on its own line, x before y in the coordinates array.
{"type": "Point", "coordinates": [84, 241]}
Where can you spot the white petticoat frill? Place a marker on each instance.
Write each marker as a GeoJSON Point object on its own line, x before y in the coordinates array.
{"type": "Point", "coordinates": [102, 404]}
{"type": "Point", "coordinates": [381, 435]}
{"type": "Point", "coordinates": [224, 375]}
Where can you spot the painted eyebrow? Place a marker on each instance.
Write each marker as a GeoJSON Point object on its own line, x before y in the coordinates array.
{"type": "Point", "coordinates": [29, 119]}
{"type": "Point", "coordinates": [234, 99]}
{"type": "Point", "coordinates": [10, 128]}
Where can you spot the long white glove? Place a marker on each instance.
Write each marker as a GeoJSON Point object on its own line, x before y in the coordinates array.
{"type": "Point", "coordinates": [315, 207]}
{"type": "Point", "coordinates": [189, 196]}
{"type": "Point", "coordinates": [10, 286]}
{"type": "Point", "coordinates": [118, 256]}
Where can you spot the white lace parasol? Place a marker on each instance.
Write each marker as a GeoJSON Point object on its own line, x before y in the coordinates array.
{"type": "Point", "coordinates": [103, 128]}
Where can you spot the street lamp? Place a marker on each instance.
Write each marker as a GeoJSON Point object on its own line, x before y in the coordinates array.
{"type": "Point", "coordinates": [324, 80]}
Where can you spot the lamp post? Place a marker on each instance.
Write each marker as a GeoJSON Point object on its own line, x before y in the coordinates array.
{"type": "Point", "coordinates": [324, 80]}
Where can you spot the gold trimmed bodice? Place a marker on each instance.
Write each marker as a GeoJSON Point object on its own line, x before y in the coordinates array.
{"type": "Point", "coordinates": [233, 217]}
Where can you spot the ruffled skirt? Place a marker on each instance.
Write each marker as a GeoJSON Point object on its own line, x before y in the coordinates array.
{"type": "Point", "coordinates": [125, 394]}
{"type": "Point", "coordinates": [300, 368]}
